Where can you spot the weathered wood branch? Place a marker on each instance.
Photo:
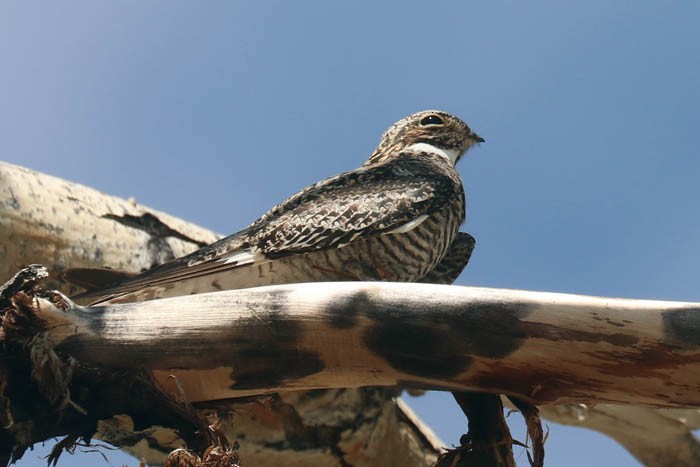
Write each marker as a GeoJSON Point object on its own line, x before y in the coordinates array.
{"type": "Point", "coordinates": [47, 220]}
{"type": "Point", "coordinates": [661, 438]}
{"type": "Point", "coordinates": [61, 224]}
{"type": "Point", "coordinates": [544, 348]}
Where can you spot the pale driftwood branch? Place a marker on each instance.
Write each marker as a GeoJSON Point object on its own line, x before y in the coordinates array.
{"type": "Point", "coordinates": [650, 435]}
{"type": "Point", "coordinates": [51, 221]}
{"type": "Point", "coordinates": [47, 220]}
{"type": "Point", "coordinates": [544, 348]}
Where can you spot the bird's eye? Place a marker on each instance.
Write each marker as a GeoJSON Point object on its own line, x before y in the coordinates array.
{"type": "Point", "coordinates": [431, 120]}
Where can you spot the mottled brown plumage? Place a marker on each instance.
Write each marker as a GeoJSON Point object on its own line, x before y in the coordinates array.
{"type": "Point", "coordinates": [422, 127]}
{"type": "Point", "coordinates": [392, 219]}
{"type": "Point", "coordinates": [454, 261]}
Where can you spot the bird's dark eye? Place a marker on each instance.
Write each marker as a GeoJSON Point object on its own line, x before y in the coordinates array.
{"type": "Point", "coordinates": [431, 120]}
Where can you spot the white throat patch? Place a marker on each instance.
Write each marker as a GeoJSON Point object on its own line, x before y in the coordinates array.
{"type": "Point", "coordinates": [449, 154]}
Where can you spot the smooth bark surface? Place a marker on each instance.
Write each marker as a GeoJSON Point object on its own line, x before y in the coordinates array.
{"type": "Point", "coordinates": [544, 348]}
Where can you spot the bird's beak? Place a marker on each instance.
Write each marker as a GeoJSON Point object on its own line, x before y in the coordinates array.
{"type": "Point", "coordinates": [477, 138]}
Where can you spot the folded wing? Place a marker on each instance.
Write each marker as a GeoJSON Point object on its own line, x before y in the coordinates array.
{"type": "Point", "coordinates": [369, 201]}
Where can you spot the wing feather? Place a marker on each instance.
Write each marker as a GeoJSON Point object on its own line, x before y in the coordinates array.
{"type": "Point", "coordinates": [359, 204]}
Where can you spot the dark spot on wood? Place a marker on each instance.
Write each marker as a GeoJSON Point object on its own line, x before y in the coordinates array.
{"type": "Point", "coordinates": [557, 333]}
{"type": "Point", "coordinates": [429, 344]}
{"type": "Point", "coordinates": [54, 229]}
{"type": "Point", "coordinates": [614, 323]}
{"type": "Point", "coordinates": [418, 350]}
{"type": "Point", "coordinates": [682, 327]}
{"type": "Point", "coordinates": [541, 385]}
{"type": "Point", "coordinates": [266, 352]}
{"type": "Point", "coordinates": [97, 255]}
{"type": "Point", "coordinates": [159, 251]}
{"type": "Point", "coordinates": [264, 367]}
{"type": "Point", "coordinates": [12, 201]}
{"type": "Point", "coordinates": [343, 314]}
{"type": "Point", "coordinates": [649, 362]}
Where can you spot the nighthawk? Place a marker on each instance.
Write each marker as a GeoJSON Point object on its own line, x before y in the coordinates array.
{"type": "Point", "coordinates": [392, 219]}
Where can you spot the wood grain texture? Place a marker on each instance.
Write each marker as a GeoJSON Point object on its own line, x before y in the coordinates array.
{"type": "Point", "coordinates": [47, 220]}
{"type": "Point", "coordinates": [545, 348]}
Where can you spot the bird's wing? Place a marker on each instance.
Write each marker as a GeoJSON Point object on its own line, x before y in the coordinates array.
{"type": "Point", "coordinates": [454, 262]}
{"type": "Point", "coordinates": [394, 196]}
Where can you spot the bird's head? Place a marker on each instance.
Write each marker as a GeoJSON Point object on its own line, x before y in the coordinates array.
{"type": "Point", "coordinates": [429, 130]}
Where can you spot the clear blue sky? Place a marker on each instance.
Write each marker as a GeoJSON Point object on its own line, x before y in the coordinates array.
{"type": "Point", "coordinates": [215, 111]}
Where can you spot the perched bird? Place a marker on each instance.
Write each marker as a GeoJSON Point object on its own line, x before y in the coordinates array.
{"type": "Point", "coordinates": [392, 219]}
